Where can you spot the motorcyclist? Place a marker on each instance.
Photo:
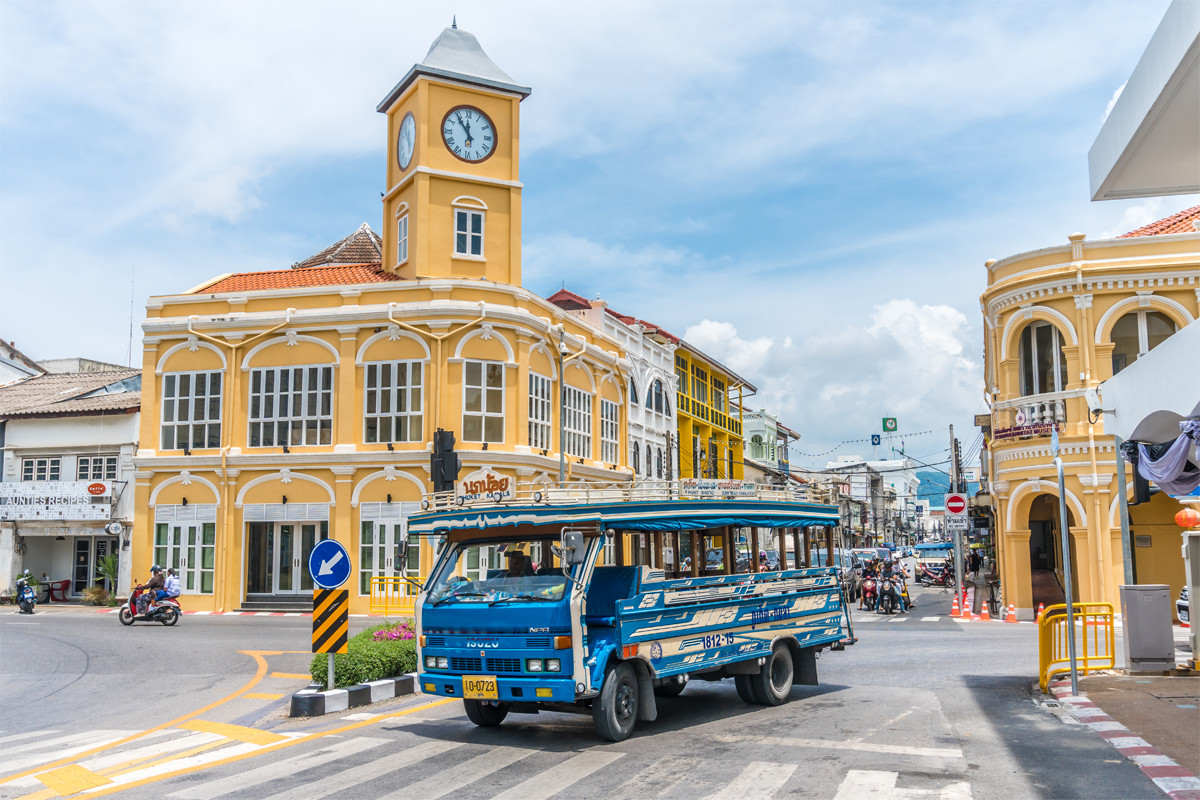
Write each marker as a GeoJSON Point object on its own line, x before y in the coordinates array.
{"type": "Point", "coordinates": [171, 588]}
{"type": "Point", "coordinates": [154, 587]}
{"type": "Point", "coordinates": [895, 571]}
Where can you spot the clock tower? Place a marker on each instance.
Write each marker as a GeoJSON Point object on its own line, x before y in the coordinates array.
{"type": "Point", "coordinates": [452, 208]}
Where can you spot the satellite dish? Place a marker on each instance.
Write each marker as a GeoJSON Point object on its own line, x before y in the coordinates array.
{"type": "Point", "coordinates": [115, 528]}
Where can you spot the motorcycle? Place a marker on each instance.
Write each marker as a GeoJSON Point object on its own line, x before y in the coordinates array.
{"type": "Point", "coordinates": [26, 599]}
{"type": "Point", "coordinates": [942, 575]}
{"type": "Point", "coordinates": [138, 607]}
{"type": "Point", "coordinates": [870, 593]}
{"type": "Point", "coordinates": [887, 595]}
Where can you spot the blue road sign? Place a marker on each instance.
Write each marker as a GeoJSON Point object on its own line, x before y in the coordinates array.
{"type": "Point", "coordinates": [329, 564]}
{"type": "Point", "coordinates": [876, 438]}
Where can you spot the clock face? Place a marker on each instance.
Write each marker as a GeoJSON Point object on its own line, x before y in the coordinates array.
{"type": "Point", "coordinates": [469, 134]}
{"type": "Point", "coordinates": [406, 140]}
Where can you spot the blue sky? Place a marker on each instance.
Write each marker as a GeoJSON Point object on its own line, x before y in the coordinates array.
{"type": "Point", "coordinates": [806, 190]}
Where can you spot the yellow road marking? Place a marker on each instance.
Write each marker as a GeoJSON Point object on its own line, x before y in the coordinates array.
{"type": "Point", "coordinates": [71, 779]}
{"type": "Point", "coordinates": [239, 732]}
{"type": "Point", "coordinates": [292, 676]}
{"type": "Point", "coordinates": [134, 766]}
{"type": "Point", "coordinates": [262, 696]}
{"type": "Point", "coordinates": [269, 748]}
{"type": "Point", "coordinates": [259, 673]}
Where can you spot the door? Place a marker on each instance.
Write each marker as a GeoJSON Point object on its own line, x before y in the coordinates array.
{"type": "Point", "coordinates": [379, 553]}
{"type": "Point", "coordinates": [293, 542]}
{"type": "Point", "coordinates": [189, 547]}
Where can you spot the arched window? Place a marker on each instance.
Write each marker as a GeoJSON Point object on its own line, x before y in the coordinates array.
{"type": "Point", "coordinates": [656, 398]}
{"type": "Point", "coordinates": [1136, 334]}
{"type": "Point", "coordinates": [633, 395]}
{"type": "Point", "coordinates": [658, 465]}
{"type": "Point", "coordinates": [637, 459]}
{"type": "Point", "coordinates": [1043, 365]}
{"type": "Point", "coordinates": [649, 462]}
{"type": "Point", "coordinates": [756, 447]}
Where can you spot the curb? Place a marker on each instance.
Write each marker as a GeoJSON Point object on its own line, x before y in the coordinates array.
{"type": "Point", "coordinates": [315, 702]}
{"type": "Point", "coordinates": [1175, 781]}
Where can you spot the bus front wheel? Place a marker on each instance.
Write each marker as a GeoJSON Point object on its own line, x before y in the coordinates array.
{"type": "Point", "coordinates": [485, 715]}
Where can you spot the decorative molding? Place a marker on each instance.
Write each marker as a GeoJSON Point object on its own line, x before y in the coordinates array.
{"type": "Point", "coordinates": [1083, 301]}
{"type": "Point", "coordinates": [285, 475]}
{"type": "Point", "coordinates": [1038, 486]}
{"type": "Point", "coordinates": [1027, 314]}
{"type": "Point", "coordinates": [392, 333]}
{"type": "Point", "coordinates": [192, 344]}
{"type": "Point", "coordinates": [290, 339]}
{"type": "Point", "coordinates": [388, 473]}
{"type": "Point", "coordinates": [1140, 300]}
{"type": "Point", "coordinates": [184, 478]}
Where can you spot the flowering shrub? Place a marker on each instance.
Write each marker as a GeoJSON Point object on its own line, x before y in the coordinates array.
{"type": "Point", "coordinates": [381, 651]}
{"type": "Point", "coordinates": [392, 631]}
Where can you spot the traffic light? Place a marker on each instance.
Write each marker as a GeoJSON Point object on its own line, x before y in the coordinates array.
{"type": "Point", "coordinates": [443, 462]}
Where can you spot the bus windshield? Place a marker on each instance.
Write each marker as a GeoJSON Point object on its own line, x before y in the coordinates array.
{"type": "Point", "coordinates": [492, 572]}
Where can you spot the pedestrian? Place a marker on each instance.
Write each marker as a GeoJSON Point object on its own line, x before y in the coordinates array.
{"type": "Point", "coordinates": [975, 563]}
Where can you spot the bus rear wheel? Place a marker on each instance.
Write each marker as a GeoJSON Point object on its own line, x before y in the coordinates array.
{"type": "Point", "coordinates": [773, 683]}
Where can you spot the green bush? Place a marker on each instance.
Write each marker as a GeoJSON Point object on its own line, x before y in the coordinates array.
{"type": "Point", "coordinates": [369, 658]}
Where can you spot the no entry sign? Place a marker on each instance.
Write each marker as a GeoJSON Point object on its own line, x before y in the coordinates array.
{"type": "Point", "coordinates": [956, 504]}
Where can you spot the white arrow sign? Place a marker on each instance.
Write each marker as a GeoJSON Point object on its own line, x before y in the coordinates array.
{"type": "Point", "coordinates": [327, 566]}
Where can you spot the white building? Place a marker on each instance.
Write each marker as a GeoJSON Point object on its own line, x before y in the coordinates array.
{"type": "Point", "coordinates": [66, 480]}
{"type": "Point", "coordinates": [653, 452]}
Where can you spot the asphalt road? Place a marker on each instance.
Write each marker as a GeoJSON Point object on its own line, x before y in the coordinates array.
{"type": "Point", "coordinates": [922, 707]}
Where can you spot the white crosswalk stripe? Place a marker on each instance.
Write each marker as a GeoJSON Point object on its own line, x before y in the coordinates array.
{"type": "Point", "coordinates": [56, 748]}
{"type": "Point", "coordinates": [760, 779]}
{"type": "Point", "coordinates": [278, 769]}
{"type": "Point", "coordinates": [342, 781]}
{"type": "Point", "coordinates": [869, 784]}
{"type": "Point", "coordinates": [562, 775]}
{"type": "Point", "coordinates": [658, 779]}
{"type": "Point", "coordinates": [451, 780]}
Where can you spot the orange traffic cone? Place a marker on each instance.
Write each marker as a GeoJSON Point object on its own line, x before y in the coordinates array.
{"type": "Point", "coordinates": [985, 616]}
{"type": "Point", "coordinates": [954, 612]}
{"type": "Point", "coordinates": [1041, 610]}
{"type": "Point", "coordinates": [1012, 613]}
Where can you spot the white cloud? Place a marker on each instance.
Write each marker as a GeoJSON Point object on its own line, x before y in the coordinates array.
{"type": "Point", "coordinates": [1136, 216]}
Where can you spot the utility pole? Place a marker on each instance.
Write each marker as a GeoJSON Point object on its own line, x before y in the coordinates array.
{"type": "Point", "coordinates": [959, 567]}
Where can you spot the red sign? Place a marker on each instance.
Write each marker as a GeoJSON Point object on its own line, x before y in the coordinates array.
{"type": "Point", "coordinates": [956, 504]}
{"type": "Point", "coordinates": [97, 489]}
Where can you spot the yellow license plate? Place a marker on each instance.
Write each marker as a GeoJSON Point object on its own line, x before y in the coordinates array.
{"type": "Point", "coordinates": [480, 687]}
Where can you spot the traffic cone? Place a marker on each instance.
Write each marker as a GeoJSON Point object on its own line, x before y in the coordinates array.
{"type": "Point", "coordinates": [1041, 610]}
{"type": "Point", "coordinates": [1012, 613]}
{"type": "Point", "coordinates": [954, 612]}
{"type": "Point", "coordinates": [985, 616]}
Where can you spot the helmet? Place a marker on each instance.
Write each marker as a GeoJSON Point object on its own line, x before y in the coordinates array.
{"type": "Point", "coordinates": [155, 569]}
{"type": "Point", "coordinates": [762, 553]}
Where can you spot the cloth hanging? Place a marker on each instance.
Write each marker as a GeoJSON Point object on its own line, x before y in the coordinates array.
{"type": "Point", "coordinates": [1171, 465]}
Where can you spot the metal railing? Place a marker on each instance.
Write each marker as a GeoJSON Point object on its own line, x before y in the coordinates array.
{"type": "Point", "coordinates": [1030, 419]}
{"type": "Point", "coordinates": [1095, 640]}
{"type": "Point", "coordinates": [638, 491]}
{"type": "Point", "coordinates": [394, 595]}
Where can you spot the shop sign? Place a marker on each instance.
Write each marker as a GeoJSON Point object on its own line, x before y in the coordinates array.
{"type": "Point", "coordinates": [58, 500]}
{"type": "Point", "coordinates": [716, 487]}
{"type": "Point", "coordinates": [485, 484]}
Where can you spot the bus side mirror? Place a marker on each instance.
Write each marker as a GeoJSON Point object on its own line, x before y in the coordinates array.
{"type": "Point", "coordinates": [573, 547]}
{"type": "Point", "coordinates": [402, 556]}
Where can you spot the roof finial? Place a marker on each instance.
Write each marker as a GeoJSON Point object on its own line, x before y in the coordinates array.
{"type": "Point", "coordinates": [454, 21]}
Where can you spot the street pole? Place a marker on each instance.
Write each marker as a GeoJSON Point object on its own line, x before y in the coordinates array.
{"type": "Point", "coordinates": [1065, 538]}
{"type": "Point", "coordinates": [959, 567]}
{"type": "Point", "coordinates": [1123, 496]}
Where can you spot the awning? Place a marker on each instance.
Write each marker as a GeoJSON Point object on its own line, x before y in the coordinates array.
{"type": "Point", "coordinates": [1146, 401]}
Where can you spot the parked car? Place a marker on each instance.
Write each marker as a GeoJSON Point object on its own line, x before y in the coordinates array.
{"type": "Point", "coordinates": [1181, 607]}
{"type": "Point", "coordinates": [849, 569]}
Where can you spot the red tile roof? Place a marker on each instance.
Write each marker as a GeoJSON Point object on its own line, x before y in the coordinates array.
{"type": "Point", "coordinates": [361, 247]}
{"type": "Point", "coordinates": [568, 300]}
{"type": "Point", "coordinates": [1183, 222]}
{"type": "Point", "coordinates": [340, 275]}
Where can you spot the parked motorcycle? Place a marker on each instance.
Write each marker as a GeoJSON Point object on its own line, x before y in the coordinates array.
{"type": "Point", "coordinates": [936, 576]}
{"type": "Point", "coordinates": [26, 599]}
{"type": "Point", "coordinates": [138, 607]}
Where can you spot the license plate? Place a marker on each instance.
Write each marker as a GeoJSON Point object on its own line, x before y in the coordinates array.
{"type": "Point", "coordinates": [480, 687]}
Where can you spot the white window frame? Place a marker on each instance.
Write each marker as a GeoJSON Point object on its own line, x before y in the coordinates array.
{"type": "Point", "coordinates": [540, 411]}
{"type": "Point", "coordinates": [465, 214]}
{"type": "Point", "coordinates": [295, 425]}
{"type": "Point", "coordinates": [402, 238]}
{"type": "Point", "coordinates": [179, 413]}
{"type": "Point", "coordinates": [482, 415]}
{"type": "Point", "coordinates": [391, 397]}
{"type": "Point", "coordinates": [97, 468]}
{"type": "Point", "coordinates": [1143, 334]}
{"type": "Point", "coordinates": [577, 424]}
{"type": "Point", "coordinates": [41, 468]}
{"type": "Point", "coordinates": [1058, 380]}
{"type": "Point", "coordinates": [610, 419]}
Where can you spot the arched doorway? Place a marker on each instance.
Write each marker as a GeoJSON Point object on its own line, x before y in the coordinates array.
{"type": "Point", "coordinates": [1045, 551]}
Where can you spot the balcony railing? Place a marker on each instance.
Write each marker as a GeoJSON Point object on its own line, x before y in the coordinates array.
{"type": "Point", "coordinates": [1030, 419]}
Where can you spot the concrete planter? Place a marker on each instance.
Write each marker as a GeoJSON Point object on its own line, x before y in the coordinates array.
{"type": "Point", "coordinates": [315, 701]}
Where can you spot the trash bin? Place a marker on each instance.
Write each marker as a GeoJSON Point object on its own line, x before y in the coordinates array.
{"type": "Point", "coordinates": [1149, 641]}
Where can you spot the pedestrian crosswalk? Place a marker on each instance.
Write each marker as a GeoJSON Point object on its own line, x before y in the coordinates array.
{"type": "Point", "coordinates": [410, 757]}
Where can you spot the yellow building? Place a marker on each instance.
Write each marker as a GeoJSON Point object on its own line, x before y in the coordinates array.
{"type": "Point", "coordinates": [710, 419]}
{"type": "Point", "coordinates": [288, 406]}
{"type": "Point", "coordinates": [1059, 321]}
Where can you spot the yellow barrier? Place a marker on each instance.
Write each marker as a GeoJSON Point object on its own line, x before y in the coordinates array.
{"type": "Point", "coordinates": [394, 595]}
{"type": "Point", "coordinates": [1095, 640]}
